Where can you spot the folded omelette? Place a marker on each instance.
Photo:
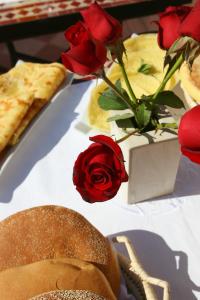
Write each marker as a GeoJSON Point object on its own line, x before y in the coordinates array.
{"type": "Point", "coordinates": [24, 90]}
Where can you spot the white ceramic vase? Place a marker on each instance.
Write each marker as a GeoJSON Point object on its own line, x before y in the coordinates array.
{"type": "Point", "coordinates": [151, 161]}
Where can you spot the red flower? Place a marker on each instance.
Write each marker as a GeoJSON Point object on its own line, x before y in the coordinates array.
{"type": "Point", "coordinates": [99, 170]}
{"type": "Point", "coordinates": [189, 134]}
{"type": "Point", "coordinates": [169, 24]}
{"type": "Point", "coordinates": [77, 34]}
{"type": "Point", "coordinates": [103, 27]}
{"type": "Point", "coordinates": [86, 58]}
{"type": "Point", "coordinates": [191, 24]}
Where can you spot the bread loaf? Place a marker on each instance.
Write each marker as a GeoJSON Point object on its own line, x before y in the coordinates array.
{"type": "Point", "coordinates": [53, 274]}
{"type": "Point", "coordinates": [68, 295]}
{"type": "Point", "coordinates": [50, 232]}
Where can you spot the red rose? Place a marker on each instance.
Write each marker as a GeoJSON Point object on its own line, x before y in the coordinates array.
{"type": "Point", "coordinates": [169, 24]}
{"type": "Point", "coordinates": [103, 27]}
{"type": "Point", "coordinates": [86, 58]}
{"type": "Point", "coordinates": [77, 34]}
{"type": "Point", "coordinates": [191, 25]}
{"type": "Point", "coordinates": [189, 134]}
{"type": "Point", "coordinates": [99, 170]}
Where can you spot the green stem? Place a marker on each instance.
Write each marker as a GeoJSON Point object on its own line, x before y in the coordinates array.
{"type": "Point", "coordinates": [169, 74]}
{"type": "Point", "coordinates": [121, 64]}
{"type": "Point", "coordinates": [127, 136]}
{"type": "Point", "coordinates": [117, 91]}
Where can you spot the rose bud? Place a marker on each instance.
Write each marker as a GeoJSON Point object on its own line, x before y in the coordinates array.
{"type": "Point", "coordinates": [103, 27]}
{"type": "Point", "coordinates": [99, 170]}
{"type": "Point", "coordinates": [169, 23]}
{"type": "Point", "coordinates": [77, 34]}
{"type": "Point", "coordinates": [86, 58]}
{"type": "Point", "coordinates": [189, 134]}
{"type": "Point", "coordinates": [191, 24]}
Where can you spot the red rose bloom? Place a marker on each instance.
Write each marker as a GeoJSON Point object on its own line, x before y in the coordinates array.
{"type": "Point", "coordinates": [77, 34]}
{"type": "Point", "coordinates": [103, 27]}
{"type": "Point", "coordinates": [189, 134]}
{"type": "Point", "coordinates": [169, 24]}
{"type": "Point", "coordinates": [99, 170]}
{"type": "Point", "coordinates": [86, 58]}
{"type": "Point", "coordinates": [191, 24]}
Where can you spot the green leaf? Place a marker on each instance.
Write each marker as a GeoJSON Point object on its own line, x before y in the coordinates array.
{"type": "Point", "coordinates": [120, 117]}
{"type": "Point", "coordinates": [108, 100]}
{"type": "Point", "coordinates": [170, 99]}
{"type": "Point", "coordinates": [123, 91]}
{"type": "Point", "coordinates": [126, 123]}
{"type": "Point", "coordinates": [145, 68]}
{"type": "Point", "coordinates": [142, 115]}
{"type": "Point", "coordinates": [167, 125]}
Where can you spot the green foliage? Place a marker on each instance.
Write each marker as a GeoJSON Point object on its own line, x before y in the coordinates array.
{"type": "Point", "coordinates": [126, 123]}
{"type": "Point", "coordinates": [142, 115]}
{"type": "Point", "coordinates": [170, 99]}
{"type": "Point", "coordinates": [120, 117]}
{"type": "Point", "coordinates": [109, 100]}
{"type": "Point", "coordinates": [145, 68]}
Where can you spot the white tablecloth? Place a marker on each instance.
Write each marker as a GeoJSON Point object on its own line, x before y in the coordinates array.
{"type": "Point", "coordinates": [165, 232]}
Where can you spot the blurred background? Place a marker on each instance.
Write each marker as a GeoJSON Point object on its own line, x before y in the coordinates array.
{"type": "Point", "coordinates": [49, 46]}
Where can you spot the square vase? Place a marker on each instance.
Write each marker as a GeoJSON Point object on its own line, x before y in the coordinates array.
{"type": "Point", "coordinates": [151, 161]}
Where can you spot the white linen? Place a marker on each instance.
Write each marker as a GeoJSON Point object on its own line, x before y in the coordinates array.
{"type": "Point", "coordinates": [165, 232]}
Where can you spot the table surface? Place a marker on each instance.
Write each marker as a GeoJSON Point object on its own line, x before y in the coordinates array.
{"type": "Point", "coordinates": [164, 231]}
{"type": "Point", "coordinates": [15, 11]}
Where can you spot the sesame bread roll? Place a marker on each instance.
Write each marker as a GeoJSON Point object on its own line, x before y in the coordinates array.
{"type": "Point", "coordinates": [68, 295]}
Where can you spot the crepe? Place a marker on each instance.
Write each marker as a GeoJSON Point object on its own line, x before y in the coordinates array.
{"type": "Point", "coordinates": [24, 90]}
{"type": "Point", "coordinates": [142, 49]}
{"type": "Point", "coordinates": [190, 80]}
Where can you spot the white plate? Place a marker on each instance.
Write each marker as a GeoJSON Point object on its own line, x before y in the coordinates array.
{"type": "Point", "coordinates": [10, 153]}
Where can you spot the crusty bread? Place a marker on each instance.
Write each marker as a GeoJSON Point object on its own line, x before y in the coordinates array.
{"type": "Point", "coordinates": [68, 295]}
{"type": "Point", "coordinates": [49, 232]}
{"type": "Point", "coordinates": [53, 274]}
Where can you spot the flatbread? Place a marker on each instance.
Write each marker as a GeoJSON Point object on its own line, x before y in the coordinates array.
{"type": "Point", "coordinates": [140, 49]}
{"type": "Point", "coordinates": [33, 110]}
{"type": "Point", "coordinates": [24, 90]}
{"type": "Point", "coordinates": [190, 80]}
{"type": "Point", "coordinates": [15, 100]}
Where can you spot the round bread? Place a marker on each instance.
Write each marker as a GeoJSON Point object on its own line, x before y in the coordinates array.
{"type": "Point", "coordinates": [190, 80]}
{"type": "Point", "coordinates": [53, 274]}
{"type": "Point", "coordinates": [68, 295]}
{"type": "Point", "coordinates": [49, 232]}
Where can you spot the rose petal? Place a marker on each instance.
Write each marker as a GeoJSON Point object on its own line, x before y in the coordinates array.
{"type": "Point", "coordinates": [191, 154]}
{"type": "Point", "coordinates": [102, 26]}
{"type": "Point", "coordinates": [189, 129]}
{"type": "Point", "coordinates": [83, 58]}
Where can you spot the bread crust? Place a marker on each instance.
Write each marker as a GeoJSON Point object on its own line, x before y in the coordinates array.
{"type": "Point", "coordinates": [53, 274]}
{"type": "Point", "coordinates": [49, 232]}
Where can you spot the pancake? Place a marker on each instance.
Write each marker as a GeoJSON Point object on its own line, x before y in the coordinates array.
{"type": "Point", "coordinates": [24, 90]}
{"type": "Point", "coordinates": [142, 49]}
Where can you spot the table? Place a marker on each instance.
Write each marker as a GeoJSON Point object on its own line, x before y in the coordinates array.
{"type": "Point", "coordinates": [28, 18]}
{"type": "Point", "coordinates": [165, 231]}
